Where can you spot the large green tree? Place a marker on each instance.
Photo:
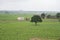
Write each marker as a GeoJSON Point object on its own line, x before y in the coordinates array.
{"type": "Point", "coordinates": [36, 19]}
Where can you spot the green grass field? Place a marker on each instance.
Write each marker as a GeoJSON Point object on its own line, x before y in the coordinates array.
{"type": "Point", "coordinates": [11, 29]}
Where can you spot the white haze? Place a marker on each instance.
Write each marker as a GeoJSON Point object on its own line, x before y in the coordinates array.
{"type": "Point", "coordinates": [30, 5]}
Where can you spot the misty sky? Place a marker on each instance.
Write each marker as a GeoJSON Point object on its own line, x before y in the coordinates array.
{"type": "Point", "coordinates": [30, 5]}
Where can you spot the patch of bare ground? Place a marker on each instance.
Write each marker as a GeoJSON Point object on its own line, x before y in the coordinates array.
{"type": "Point", "coordinates": [40, 39]}
{"type": "Point", "coordinates": [35, 39]}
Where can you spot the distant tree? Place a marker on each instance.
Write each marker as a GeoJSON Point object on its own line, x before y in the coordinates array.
{"type": "Point", "coordinates": [43, 15]}
{"type": "Point", "coordinates": [36, 19]}
{"type": "Point", "coordinates": [6, 12]}
{"type": "Point", "coordinates": [58, 16]}
{"type": "Point", "coordinates": [48, 16]}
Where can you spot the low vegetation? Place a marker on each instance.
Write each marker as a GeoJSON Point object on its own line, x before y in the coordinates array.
{"type": "Point", "coordinates": [12, 29]}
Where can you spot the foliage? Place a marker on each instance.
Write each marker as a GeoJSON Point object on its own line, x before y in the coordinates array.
{"type": "Point", "coordinates": [58, 15]}
{"type": "Point", "coordinates": [36, 18]}
{"type": "Point", "coordinates": [48, 16]}
{"type": "Point", "coordinates": [43, 15]}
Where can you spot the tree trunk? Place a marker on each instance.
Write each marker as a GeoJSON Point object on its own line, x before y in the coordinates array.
{"type": "Point", "coordinates": [35, 23]}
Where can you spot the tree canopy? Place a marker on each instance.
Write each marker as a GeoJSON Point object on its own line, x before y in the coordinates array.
{"type": "Point", "coordinates": [36, 18]}
{"type": "Point", "coordinates": [43, 15]}
{"type": "Point", "coordinates": [58, 15]}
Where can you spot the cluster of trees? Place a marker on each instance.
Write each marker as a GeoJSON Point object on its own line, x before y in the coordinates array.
{"type": "Point", "coordinates": [37, 18]}
{"type": "Point", "coordinates": [57, 16]}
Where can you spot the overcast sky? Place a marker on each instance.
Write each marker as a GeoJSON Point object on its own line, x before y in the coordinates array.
{"type": "Point", "coordinates": [30, 5]}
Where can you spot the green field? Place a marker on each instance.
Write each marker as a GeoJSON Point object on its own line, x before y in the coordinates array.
{"type": "Point", "coordinates": [11, 29]}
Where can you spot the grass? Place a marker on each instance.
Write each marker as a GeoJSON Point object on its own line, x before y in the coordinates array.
{"type": "Point", "coordinates": [16, 30]}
